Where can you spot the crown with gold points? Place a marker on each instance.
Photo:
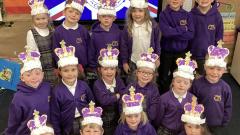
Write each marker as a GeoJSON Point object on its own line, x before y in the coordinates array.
{"type": "Point", "coordinates": [66, 55]}
{"type": "Point", "coordinates": [92, 114]}
{"type": "Point", "coordinates": [107, 7]}
{"type": "Point", "coordinates": [193, 112]}
{"type": "Point", "coordinates": [133, 102]}
{"type": "Point", "coordinates": [108, 57]}
{"type": "Point", "coordinates": [38, 125]}
{"type": "Point", "coordinates": [148, 59]}
{"type": "Point", "coordinates": [139, 3]}
{"type": "Point", "coordinates": [37, 7]}
{"type": "Point", "coordinates": [76, 4]}
{"type": "Point", "coordinates": [30, 59]}
{"type": "Point", "coordinates": [186, 67]}
{"type": "Point", "coordinates": [217, 55]}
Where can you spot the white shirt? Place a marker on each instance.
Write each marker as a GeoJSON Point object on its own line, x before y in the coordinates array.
{"type": "Point", "coordinates": [67, 28]}
{"type": "Point", "coordinates": [141, 40]}
{"type": "Point", "coordinates": [31, 43]}
{"type": "Point", "coordinates": [72, 89]}
{"type": "Point", "coordinates": [112, 86]}
{"type": "Point", "coordinates": [179, 97]}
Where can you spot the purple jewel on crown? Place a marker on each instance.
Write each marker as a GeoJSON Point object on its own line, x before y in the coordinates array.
{"type": "Point", "coordinates": [187, 61]}
{"type": "Point", "coordinates": [149, 56]}
{"type": "Point", "coordinates": [65, 51]}
{"type": "Point", "coordinates": [92, 111]}
{"type": "Point", "coordinates": [37, 121]}
{"type": "Point", "coordinates": [108, 4]}
{"type": "Point", "coordinates": [81, 2]}
{"type": "Point", "coordinates": [36, 3]}
{"type": "Point", "coordinates": [29, 55]}
{"type": "Point", "coordinates": [193, 108]}
{"type": "Point", "coordinates": [218, 52]}
{"type": "Point", "coordinates": [133, 99]}
{"type": "Point", "coordinates": [109, 53]}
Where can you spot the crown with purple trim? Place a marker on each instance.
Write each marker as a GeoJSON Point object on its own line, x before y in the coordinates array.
{"type": "Point", "coordinates": [132, 102]}
{"type": "Point", "coordinates": [30, 59]}
{"type": "Point", "coordinates": [148, 59]}
{"type": "Point", "coordinates": [37, 7]}
{"type": "Point", "coordinates": [92, 114]}
{"type": "Point", "coordinates": [108, 57]}
{"type": "Point", "coordinates": [66, 55]}
{"type": "Point", "coordinates": [193, 112]}
{"type": "Point", "coordinates": [38, 125]}
{"type": "Point", "coordinates": [107, 7]}
{"type": "Point", "coordinates": [76, 4]}
{"type": "Point", "coordinates": [139, 3]}
{"type": "Point", "coordinates": [217, 55]}
{"type": "Point", "coordinates": [186, 67]}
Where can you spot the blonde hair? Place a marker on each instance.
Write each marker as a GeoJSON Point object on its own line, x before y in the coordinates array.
{"type": "Point", "coordinates": [129, 19]}
{"type": "Point", "coordinates": [144, 118]}
{"type": "Point", "coordinates": [92, 125]}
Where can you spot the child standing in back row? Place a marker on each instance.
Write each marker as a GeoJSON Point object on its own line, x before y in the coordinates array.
{"type": "Point", "coordinates": [139, 34]}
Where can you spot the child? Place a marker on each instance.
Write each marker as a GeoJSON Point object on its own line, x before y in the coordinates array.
{"type": "Point", "coordinates": [133, 119]}
{"type": "Point", "coordinates": [213, 92]}
{"type": "Point", "coordinates": [172, 102]}
{"type": "Point", "coordinates": [39, 38]}
{"type": "Point", "coordinates": [38, 125]}
{"type": "Point", "coordinates": [70, 95]}
{"type": "Point", "coordinates": [73, 33]}
{"type": "Point", "coordinates": [140, 33]}
{"type": "Point", "coordinates": [32, 93]}
{"type": "Point", "coordinates": [193, 123]}
{"type": "Point", "coordinates": [92, 122]}
{"type": "Point", "coordinates": [108, 88]}
{"type": "Point", "coordinates": [208, 27]}
{"type": "Point", "coordinates": [104, 32]}
{"type": "Point", "coordinates": [144, 83]}
{"type": "Point", "coordinates": [177, 29]}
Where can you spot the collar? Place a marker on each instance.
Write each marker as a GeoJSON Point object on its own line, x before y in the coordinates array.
{"type": "Point", "coordinates": [67, 28]}
{"type": "Point", "coordinates": [177, 96]}
{"type": "Point", "coordinates": [110, 86]}
{"type": "Point", "coordinates": [68, 86]}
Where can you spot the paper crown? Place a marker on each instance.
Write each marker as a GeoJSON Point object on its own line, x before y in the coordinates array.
{"type": "Point", "coordinates": [133, 102]}
{"type": "Point", "coordinates": [139, 3]}
{"type": "Point", "coordinates": [107, 7]}
{"type": "Point", "coordinates": [108, 57]}
{"type": "Point", "coordinates": [186, 67]}
{"type": "Point", "coordinates": [30, 59]}
{"type": "Point", "coordinates": [76, 4]}
{"type": "Point", "coordinates": [148, 59]}
{"type": "Point", "coordinates": [92, 114]}
{"type": "Point", "coordinates": [37, 7]}
{"type": "Point", "coordinates": [38, 125]}
{"type": "Point", "coordinates": [193, 112]}
{"type": "Point", "coordinates": [217, 55]}
{"type": "Point", "coordinates": [66, 55]}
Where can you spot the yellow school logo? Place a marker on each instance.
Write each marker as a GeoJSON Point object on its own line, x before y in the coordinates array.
{"type": "Point", "coordinates": [183, 22]}
{"type": "Point", "coordinates": [83, 97]}
{"type": "Point", "coordinates": [79, 40]}
{"type": "Point", "coordinates": [211, 27]}
{"type": "Point", "coordinates": [217, 98]}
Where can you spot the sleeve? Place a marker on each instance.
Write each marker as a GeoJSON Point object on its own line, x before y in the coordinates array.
{"type": "Point", "coordinates": [153, 106]}
{"type": "Point", "coordinates": [124, 46]}
{"type": "Point", "coordinates": [89, 93]}
{"type": "Point", "coordinates": [55, 44]}
{"type": "Point", "coordinates": [14, 121]}
{"type": "Point", "coordinates": [120, 85]}
{"type": "Point", "coordinates": [151, 130]}
{"type": "Point", "coordinates": [161, 111]}
{"type": "Point", "coordinates": [31, 44]}
{"type": "Point", "coordinates": [55, 113]}
{"type": "Point", "coordinates": [92, 53]}
{"type": "Point", "coordinates": [193, 89]}
{"type": "Point", "coordinates": [157, 36]}
{"type": "Point", "coordinates": [118, 130]}
{"type": "Point", "coordinates": [227, 106]}
{"type": "Point", "coordinates": [219, 29]}
{"type": "Point", "coordinates": [88, 43]}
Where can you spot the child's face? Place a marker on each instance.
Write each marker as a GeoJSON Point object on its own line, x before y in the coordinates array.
{"type": "Point", "coordinates": [69, 74]}
{"type": "Point", "coordinates": [33, 77]}
{"type": "Point", "coordinates": [72, 15]}
{"type": "Point", "coordinates": [91, 131]}
{"type": "Point", "coordinates": [138, 15]}
{"type": "Point", "coordinates": [181, 85]}
{"type": "Point", "coordinates": [204, 3]}
{"type": "Point", "coordinates": [213, 73]}
{"type": "Point", "coordinates": [192, 129]}
{"type": "Point", "coordinates": [106, 20]}
{"type": "Point", "coordinates": [41, 20]}
{"type": "Point", "coordinates": [133, 120]}
{"type": "Point", "coordinates": [175, 4]}
{"type": "Point", "coordinates": [144, 75]}
{"type": "Point", "coordinates": [108, 73]}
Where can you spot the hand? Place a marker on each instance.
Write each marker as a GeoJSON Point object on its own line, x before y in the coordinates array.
{"type": "Point", "coordinates": [118, 95]}
{"type": "Point", "coordinates": [126, 68]}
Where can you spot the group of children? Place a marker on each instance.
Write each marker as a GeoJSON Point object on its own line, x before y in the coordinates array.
{"type": "Point", "coordinates": [51, 99]}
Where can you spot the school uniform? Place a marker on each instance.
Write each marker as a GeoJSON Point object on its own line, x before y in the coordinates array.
{"type": "Point", "coordinates": [217, 100]}
{"type": "Point", "coordinates": [147, 129]}
{"type": "Point", "coordinates": [66, 106]}
{"type": "Point", "coordinates": [177, 29]}
{"type": "Point", "coordinates": [101, 38]}
{"type": "Point", "coordinates": [76, 36]}
{"type": "Point", "coordinates": [170, 110]}
{"type": "Point", "coordinates": [25, 101]}
{"type": "Point", "coordinates": [106, 98]}
{"type": "Point", "coordinates": [208, 31]}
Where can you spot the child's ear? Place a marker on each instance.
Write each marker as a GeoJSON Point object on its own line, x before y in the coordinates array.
{"type": "Point", "coordinates": [22, 78]}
